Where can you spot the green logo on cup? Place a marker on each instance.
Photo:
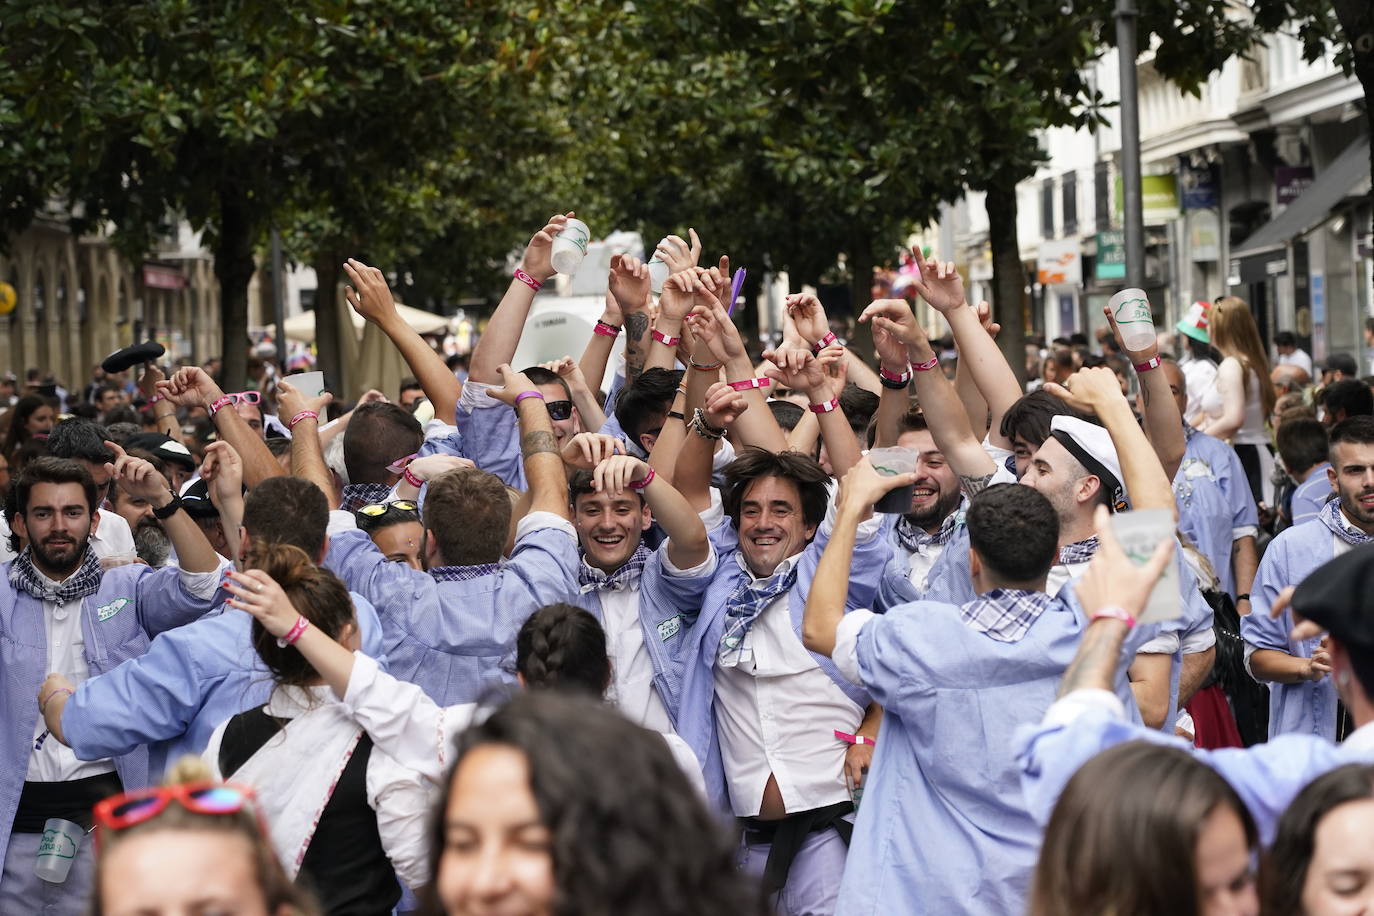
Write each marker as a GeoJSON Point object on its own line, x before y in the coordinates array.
{"type": "Point", "coordinates": [1133, 310]}
{"type": "Point", "coordinates": [56, 843]}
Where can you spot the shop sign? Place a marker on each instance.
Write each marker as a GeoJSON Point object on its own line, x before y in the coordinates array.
{"type": "Point", "coordinates": [1111, 255]}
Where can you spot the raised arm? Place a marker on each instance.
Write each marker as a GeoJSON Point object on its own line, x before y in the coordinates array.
{"type": "Point", "coordinates": [975, 405]}
{"type": "Point", "coordinates": [502, 336]}
{"type": "Point", "coordinates": [597, 353]}
{"type": "Point", "coordinates": [371, 298]}
{"type": "Point", "coordinates": [800, 371]}
{"type": "Point", "coordinates": [894, 324]}
{"type": "Point", "coordinates": [548, 483]}
{"type": "Point", "coordinates": [222, 472]}
{"type": "Point", "coordinates": [629, 286]}
{"type": "Point", "coordinates": [141, 480]}
{"type": "Point", "coordinates": [941, 286]}
{"type": "Point", "coordinates": [307, 454]}
{"type": "Point", "coordinates": [1097, 391]}
{"type": "Point", "coordinates": [720, 413]}
{"type": "Point", "coordinates": [859, 490]}
{"type": "Point", "coordinates": [192, 387]}
{"type": "Point", "coordinates": [687, 543]}
{"type": "Point", "coordinates": [1163, 422]}
{"type": "Point", "coordinates": [164, 411]}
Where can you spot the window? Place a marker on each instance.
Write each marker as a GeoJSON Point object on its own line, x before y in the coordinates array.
{"type": "Point", "coordinates": [1047, 208]}
{"type": "Point", "coordinates": [1069, 202]}
{"type": "Point", "coordinates": [1102, 195]}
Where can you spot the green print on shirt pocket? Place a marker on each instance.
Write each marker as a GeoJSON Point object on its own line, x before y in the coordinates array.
{"type": "Point", "coordinates": [668, 628]}
{"type": "Point", "coordinates": [114, 607]}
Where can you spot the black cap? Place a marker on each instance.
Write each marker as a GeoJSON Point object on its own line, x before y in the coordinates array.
{"type": "Point", "coordinates": [129, 357]}
{"type": "Point", "coordinates": [164, 447]}
{"type": "Point", "coordinates": [195, 499]}
{"type": "Point", "coordinates": [1340, 362]}
{"type": "Point", "coordinates": [1340, 598]}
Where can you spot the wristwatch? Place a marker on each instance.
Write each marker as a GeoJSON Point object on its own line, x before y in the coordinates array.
{"type": "Point", "coordinates": [167, 511]}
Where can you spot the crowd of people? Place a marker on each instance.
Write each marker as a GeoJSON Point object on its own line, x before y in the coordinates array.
{"type": "Point", "coordinates": [753, 631]}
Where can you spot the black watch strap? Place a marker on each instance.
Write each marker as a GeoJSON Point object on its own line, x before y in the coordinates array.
{"type": "Point", "coordinates": [168, 510]}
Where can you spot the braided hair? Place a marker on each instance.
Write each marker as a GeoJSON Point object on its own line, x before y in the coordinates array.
{"type": "Point", "coordinates": [563, 646]}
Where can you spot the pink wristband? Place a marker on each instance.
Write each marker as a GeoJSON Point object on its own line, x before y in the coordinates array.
{"type": "Point", "coordinates": [606, 329]}
{"type": "Point", "coordinates": [855, 739]}
{"type": "Point", "coordinates": [293, 634]}
{"type": "Point", "coordinates": [832, 404]}
{"type": "Point", "coordinates": [902, 379]}
{"type": "Point", "coordinates": [932, 363]}
{"type": "Point", "coordinates": [221, 402]}
{"type": "Point", "coordinates": [1152, 363]}
{"type": "Point", "coordinates": [303, 415]}
{"type": "Point", "coordinates": [411, 479]}
{"type": "Point", "coordinates": [528, 280]}
{"type": "Point", "coordinates": [1116, 613]}
{"type": "Point", "coordinates": [641, 484]}
{"type": "Point", "coordinates": [824, 342]}
{"type": "Point", "coordinates": [746, 384]}
{"type": "Point", "coordinates": [665, 339]}
{"type": "Point", "coordinates": [528, 394]}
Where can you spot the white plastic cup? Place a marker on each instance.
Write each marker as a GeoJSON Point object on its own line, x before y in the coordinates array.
{"type": "Point", "coordinates": [570, 247]}
{"type": "Point", "coordinates": [309, 384]}
{"type": "Point", "coordinates": [57, 850]}
{"type": "Point", "coordinates": [1131, 308]}
{"type": "Point", "coordinates": [890, 462]}
{"type": "Point", "coordinates": [658, 274]}
{"type": "Point", "coordinates": [1139, 533]}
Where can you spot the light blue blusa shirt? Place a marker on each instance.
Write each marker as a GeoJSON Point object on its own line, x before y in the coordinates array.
{"type": "Point", "coordinates": [173, 696]}
{"type": "Point", "coordinates": [1312, 494]}
{"type": "Point", "coordinates": [943, 827]}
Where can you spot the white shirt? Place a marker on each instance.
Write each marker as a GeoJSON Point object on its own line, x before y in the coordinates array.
{"type": "Point", "coordinates": [920, 562]}
{"type": "Point", "coordinates": [1299, 357]}
{"type": "Point", "coordinates": [777, 714]}
{"type": "Point", "coordinates": [632, 671]}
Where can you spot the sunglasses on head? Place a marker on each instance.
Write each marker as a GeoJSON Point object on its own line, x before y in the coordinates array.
{"type": "Point", "coordinates": [559, 410]}
{"type": "Point", "coordinates": [130, 808]}
{"type": "Point", "coordinates": [376, 510]}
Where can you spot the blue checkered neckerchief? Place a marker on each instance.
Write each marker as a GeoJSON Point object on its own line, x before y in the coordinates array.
{"type": "Point", "coordinates": [591, 579]}
{"type": "Point", "coordinates": [85, 581]}
{"type": "Point", "coordinates": [1332, 518]}
{"type": "Point", "coordinates": [917, 539]}
{"type": "Point", "coordinates": [463, 573]}
{"type": "Point", "coordinates": [1078, 552]}
{"type": "Point", "coordinates": [743, 607]}
{"type": "Point", "coordinates": [1005, 614]}
{"type": "Point", "coordinates": [357, 495]}
{"type": "Point", "coordinates": [1189, 431]}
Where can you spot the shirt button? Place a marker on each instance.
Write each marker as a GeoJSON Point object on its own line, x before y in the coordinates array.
{"type": "Point", "coordinates": [60, 613]}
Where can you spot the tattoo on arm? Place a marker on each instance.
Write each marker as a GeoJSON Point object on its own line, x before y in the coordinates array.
{"type": "Point", "coordinates": [972, 486]}
{"type": "Point", "coordinates": [636, 326]}
{"type": "Point", "coordinates": [537, 442]}
{"type": "Point", "coordinates": [1095, 662]}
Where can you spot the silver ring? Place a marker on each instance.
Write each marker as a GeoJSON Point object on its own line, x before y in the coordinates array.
{"type": "Point", "coordinates": [257, 588]}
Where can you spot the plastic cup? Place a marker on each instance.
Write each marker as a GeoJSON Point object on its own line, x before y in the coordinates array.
{"type": "Point", "coordinates": [890, 462]}
{"type": "Point", "coordinates": [57, 850]}
{"type": "Point", "coordinates": [1139, 533]}
{"type": "Point", "coordinates": [570, 247]}
{"type": "Point", "coordinates": [658, 274]}
{"type": "Point", "coordinates": [1131, 308]}
{"type": "Point", "coordinates": [309, 384]}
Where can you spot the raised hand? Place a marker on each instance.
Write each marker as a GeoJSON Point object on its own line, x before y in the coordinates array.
{"type": "Point", "coordinates": [536, 261]}
{"type": "Point", "coordinates": [290, 401]}
{"type": "Point", "coordinates": [678, 296]}
{"type": "Point", "coordinates": [808, 316]}
{"type": "Point", "coordinates": [678, 254]}
{"type": "Point", "coordinates": [431, 466]}
{"type": "Point", "coordinates": [587, 450]}
{"type": "Point", "coordinates": [797, 370]}
{"type": "Point", "coordinates": [568, 369]}
{"type": "Point", "coordinates": [615, 473]}
{"type": "Point", "coordinates": [369, 295]}
{"type": "Point", "coordinates": [372, 395]}
{"type": "Point", "coordinates": [1088, 390]}
{"type": "Point", "coordinates": [940, 285]}
{"type": "Point", "coordinates": [836, 367]}
{"type": "Point", "coordinates": [190, 387]}
{"type": "Point", "coordinates": [863, 486]}
{"type": "Point", "coordinates": [723, 405]}
{"type": "Point", "coordinates": [513, 384]}
{"type": "Point", "coordinates": [222, 471]}
{"type": "Point", "coordinates": [1114, 579]}
{"type": "Point", "coordinates": [629, 283]}
{"type": "Point", "coordinates": [136, 476]}
{"type": "Point", "coordinates": [984, 312]}
{"type": "Point", "coordinates": [714, 329]}
{"type": "Point", "coordinates": [1136, 356]}
{"type": "Point", "coordinates": [259, 594]}
{"type": "Point", "coordinates": [147, 383]}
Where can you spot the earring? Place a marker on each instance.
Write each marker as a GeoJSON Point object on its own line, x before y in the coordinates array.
{"type": "Point", "coordinates": [1343, 679]}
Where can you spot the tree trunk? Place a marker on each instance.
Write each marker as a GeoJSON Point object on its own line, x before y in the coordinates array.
{"type": "Point", "coordinates": [329, 356]}
{"type": "Point", "coordinates": [1008, 276]}
{"type": "Point", "coordinates": [1357, 21]}
{"type": "Point", "coordinates": [234, 267]}
{"type": "Point", "coordinates": [860, 295]}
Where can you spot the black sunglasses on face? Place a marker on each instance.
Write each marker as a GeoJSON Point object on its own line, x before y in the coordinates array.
{"type": "Point", "coordinates": [559, 410]}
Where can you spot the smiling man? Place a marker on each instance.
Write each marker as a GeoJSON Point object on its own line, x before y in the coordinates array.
{"type": "Point", "coordinates": [1302, 698]}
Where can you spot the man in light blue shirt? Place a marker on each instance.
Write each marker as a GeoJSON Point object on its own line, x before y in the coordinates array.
{"type": "Point", "coordinates": [1303, 446]}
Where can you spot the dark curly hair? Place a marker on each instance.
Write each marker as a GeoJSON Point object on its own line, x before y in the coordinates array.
{"type": "Point", "coordinates": [756, 463]}
{"type": "Point", "coordinates": [630, 836]}
{"type": "Point", "coordinates": [565, 647]}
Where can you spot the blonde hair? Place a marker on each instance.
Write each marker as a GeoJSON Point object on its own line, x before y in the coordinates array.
{"type": "Point", "coordinates": [277, 889]}
{"type": "Point", "coordinates": [1234, 333]}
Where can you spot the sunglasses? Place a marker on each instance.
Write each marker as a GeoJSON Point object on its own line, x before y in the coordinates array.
{"type": "Point", "coordinates": [559, 410]}
{"type": "Point", "coordinates": [130, 808]}
{"type": "Point", "coordinates": [377, 510]}
{"type": "Point", "coordinates": [245, 397]}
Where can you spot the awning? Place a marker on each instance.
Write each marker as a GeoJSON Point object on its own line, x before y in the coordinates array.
{"type": "Point", "coordinates": [1329, 188]}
